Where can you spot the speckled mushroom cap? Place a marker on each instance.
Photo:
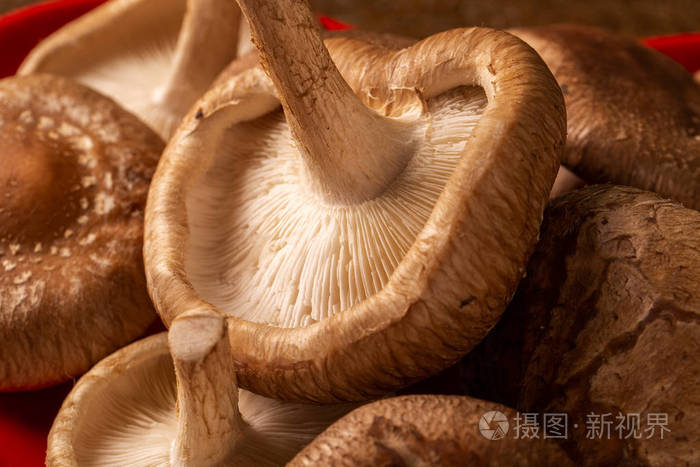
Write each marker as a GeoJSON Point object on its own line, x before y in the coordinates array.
{"type": "Point", "coordinates": [154, 57]}
{"type": "Point", "coordinates": [374, 235]}
{"type": "Point", "coordinates": [606, 322]}
{"type": "Point", "coordinates": [74, 172]}
{"type": "Point", "coordinates": [429, 430]}
{"type": "Point", "coordinates": [633, 114]}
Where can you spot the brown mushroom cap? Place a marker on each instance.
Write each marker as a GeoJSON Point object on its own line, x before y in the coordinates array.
{"type": "Point", "coordinates": [605, 322]}
{"type": "Point", "coordinates": [336, 286]}
{"type": "Point", "coordinates": [74, 172]}
{"type": "Point", "coordinates": [633, 114]}
{"type": "Point", "coordinates": [428, 430]}
{"type": "Point", "coordinates": [154, 57]}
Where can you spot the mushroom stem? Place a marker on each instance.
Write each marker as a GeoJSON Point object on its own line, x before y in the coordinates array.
{"type": "Point", "coordinates": [207, 392]}
{"type": "Point", "coordinates": [207, 24]}
{"type": "Point", "coordinates": [351, 153]}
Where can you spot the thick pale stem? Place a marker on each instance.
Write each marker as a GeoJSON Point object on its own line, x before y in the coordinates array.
{"type": "Point", "coordinates": [208, 42]}
{"type": "Point", "coordinates": [208, 420]}
{"type": "Point", "coordinates": [352, 154]}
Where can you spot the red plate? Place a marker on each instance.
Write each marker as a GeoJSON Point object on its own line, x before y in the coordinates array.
{"type": "Point", "coordinates": [25, 418]}
{"type": "Point", "coordinates": [683, 48]}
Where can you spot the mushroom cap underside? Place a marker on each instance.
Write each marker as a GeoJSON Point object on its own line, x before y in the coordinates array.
{"type": "Point", "coordinates": [454, 275]}
{"type": "Point", "coordinates": [138, 53]}
{"type": "Point", "coordinates": [123, 412]}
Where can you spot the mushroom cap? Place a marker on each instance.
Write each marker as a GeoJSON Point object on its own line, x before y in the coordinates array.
{"type": "Point", "coordinates": [428, 430]}
{"type": "Point", "coordinates": [633, 114]}
{"type": "Point", "coordinates": [606, 321]}
{"type": "Point", "coordinates": [123, 412]}
{"type": "Point", "coordinates": [74, 173]}
{"type": "Point", "coordinates": [130, 50]}
{"type": "Point", "coordinates": [430, 274]}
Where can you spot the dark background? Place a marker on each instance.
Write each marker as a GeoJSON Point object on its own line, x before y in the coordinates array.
{"type": "Point", "coordinates": [419, 18]}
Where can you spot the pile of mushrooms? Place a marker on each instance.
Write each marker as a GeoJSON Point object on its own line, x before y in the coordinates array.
{"type": "Point", "coordinates": [338, 217]}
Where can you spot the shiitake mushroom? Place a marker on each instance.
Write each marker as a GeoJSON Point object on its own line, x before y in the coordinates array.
{"type": "Point", "coordinates": [633, 114]}
{"type": "Point", "coordinates": [362, 216]}
{"type": "Point", "coordinates": [429, 430]}
{"type": "Point", "coordinates": [172, 399]}
{"type": "Point", "coordinates": [606, 322]}
{"type": "Point", "coordinates": [74, 172]}
{"type": "Point", "coordinates": [154, 57]}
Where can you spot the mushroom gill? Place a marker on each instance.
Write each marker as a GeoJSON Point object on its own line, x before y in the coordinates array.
{"type": "Point", "coordinates": [269, 249]}
{"type": "Point", "coordinates": [154, 57]}
{"type": "Point", "coordinates": [351, 204]}
{"type": "Point", "coordinates": [136, 408]}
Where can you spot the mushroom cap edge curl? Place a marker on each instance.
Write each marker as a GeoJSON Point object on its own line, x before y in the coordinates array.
{"type": "Point", "coordinates": [457, 276]}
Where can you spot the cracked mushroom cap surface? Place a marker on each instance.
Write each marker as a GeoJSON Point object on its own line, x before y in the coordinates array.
{"type": "Point", "coordinates": [606, 322]}
{"type": "Point", "coordinates": [633, 114]}
{"type": "Point", "coordinates": [124, 412]}
{"type": "Point", "coordinates": [428, 430]}
{"type": "Point", "coordinates": [370, 249]}
{"type": "Point", "coordinates": [154, 57]}
{"type": "Point", "coordinates": [74, 172]}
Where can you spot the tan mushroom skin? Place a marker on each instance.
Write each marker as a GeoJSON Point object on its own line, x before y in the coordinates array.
{"type": "Point", "coordinates": [425, 431]}
{"type": "Point", "coordinates": [413, 236]}
{"type": "Point", "coordinates": [74, 171]}
{"type": "Point", "coordinates": [633, 113]}
{"type": "Point", "coordinates": [607, 321]}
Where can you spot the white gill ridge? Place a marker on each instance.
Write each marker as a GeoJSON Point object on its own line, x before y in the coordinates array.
{"type": "Point", "coordinates": [264, 248]}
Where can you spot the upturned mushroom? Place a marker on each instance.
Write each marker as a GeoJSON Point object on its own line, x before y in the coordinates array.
{"type": "Point", "coordinates": [74, 172]}
{"type": "Point", "coordinates": [606, 329]}
{"type": "Point", "coordinates": [154, 57]}
{"type": "Point", "coordinates": [429, 430]}
{"type": "Point", "coordinates": [371, 230]}
{"type": "Point", "coordinates": [141, 407]}
{"type": "Point", "coordinates": [633, 114]}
